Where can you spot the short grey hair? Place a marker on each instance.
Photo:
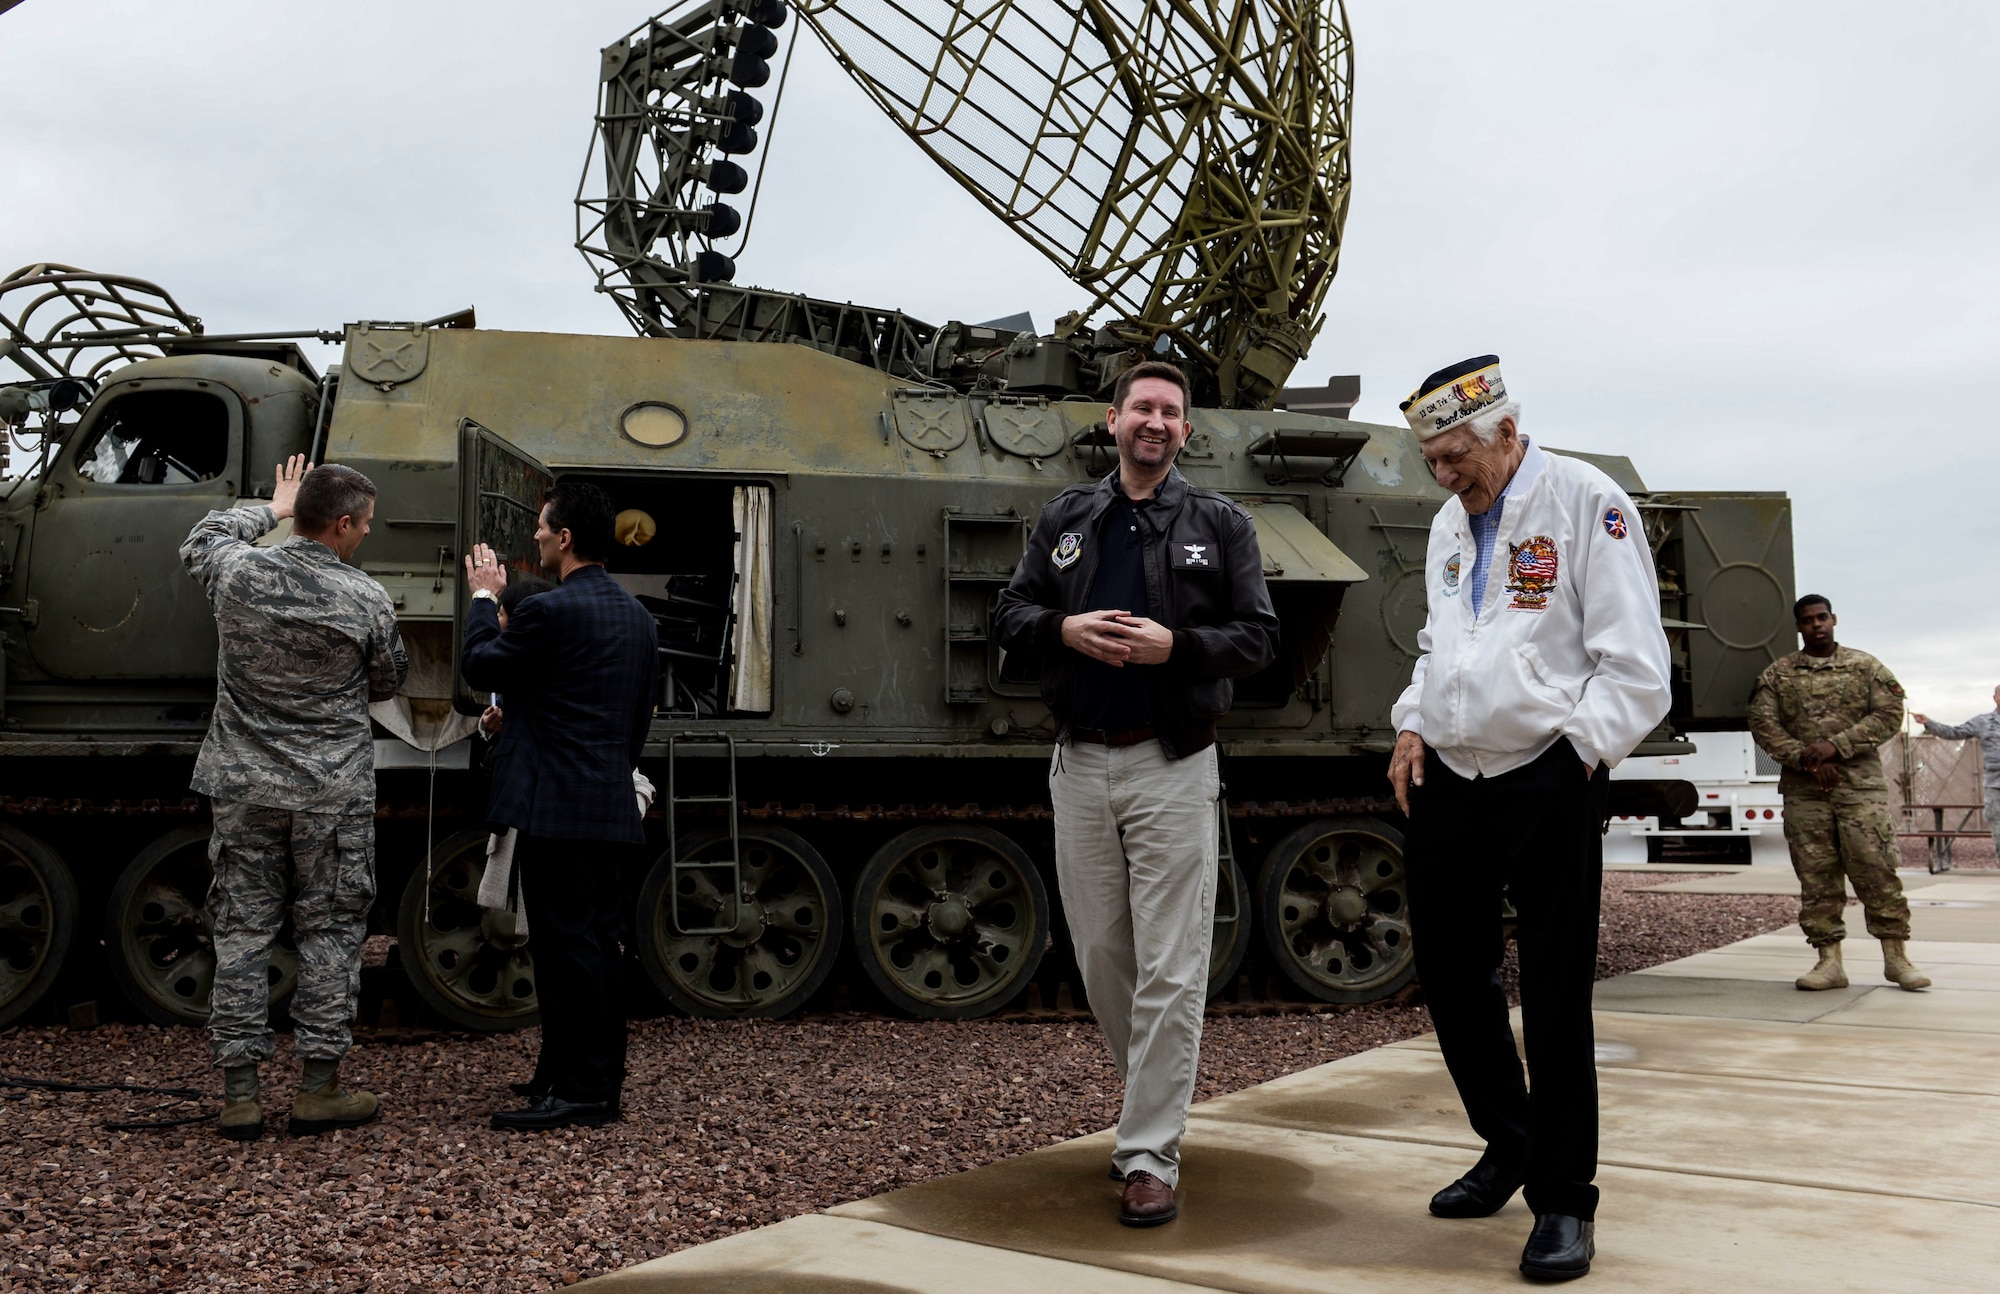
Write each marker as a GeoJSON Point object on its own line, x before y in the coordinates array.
{"type": "Point", "coordinates": [1486, 425]}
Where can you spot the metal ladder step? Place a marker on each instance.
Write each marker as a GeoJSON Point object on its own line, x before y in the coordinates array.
{"type": "Point", "coordinates": [729, 911]}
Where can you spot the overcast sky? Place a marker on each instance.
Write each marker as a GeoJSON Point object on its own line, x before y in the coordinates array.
{"type": "Point", "coordinates": [1749, 244]}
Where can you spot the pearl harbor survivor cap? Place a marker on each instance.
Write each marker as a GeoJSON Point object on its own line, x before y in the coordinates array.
{"type": "Point", "coordinates": [1452, 397]}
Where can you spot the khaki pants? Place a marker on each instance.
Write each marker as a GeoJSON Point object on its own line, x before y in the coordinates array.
{"type": "Point", "coordinates": [1136, 863]}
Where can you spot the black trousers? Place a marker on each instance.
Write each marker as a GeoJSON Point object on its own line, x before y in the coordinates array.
{"type": "Point", "coordinates": [570, 889]}
{"type": "Point", "coordinates": [1538, 832]}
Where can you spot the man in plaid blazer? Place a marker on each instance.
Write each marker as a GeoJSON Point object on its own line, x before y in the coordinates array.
{"type": "Point", "coordinates": [579, 668]}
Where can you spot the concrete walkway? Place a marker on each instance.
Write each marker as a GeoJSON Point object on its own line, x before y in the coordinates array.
{"type": "Point", "coordinates": [1754, 1137]}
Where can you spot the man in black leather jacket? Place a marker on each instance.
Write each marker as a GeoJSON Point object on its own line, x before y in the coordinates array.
{"type": "Point", "coordinates": [1143, 596]}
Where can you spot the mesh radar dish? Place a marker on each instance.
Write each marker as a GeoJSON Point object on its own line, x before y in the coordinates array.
{"type": "Point", "coordinates": [1184, 161]}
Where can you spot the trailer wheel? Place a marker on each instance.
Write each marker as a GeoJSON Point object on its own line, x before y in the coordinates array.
{"type": "Point", "coordinates": [1335, 909]}
{"type": "Point", "coordinates": [158, 938]}
{"type": "Point", "coordinates": [465, 962]}
{"type": "Point", "coordinates": [787, 934]}
{"type": "Point", "coordinates": [950, 922]}
{"type": "Point", "coordinates": [37, 921]}
{"type": "Point", "coordinates": [1230, 943]}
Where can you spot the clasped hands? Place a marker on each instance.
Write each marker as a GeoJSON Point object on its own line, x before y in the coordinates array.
{"type": "Point", "coordinates": [1117, 638]}
{"type": "Point", "coordinates": [1820, 759]}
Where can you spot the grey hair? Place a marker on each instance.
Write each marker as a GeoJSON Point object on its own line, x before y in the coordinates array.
{"type": "Point", "coordinates": [1486, 425]}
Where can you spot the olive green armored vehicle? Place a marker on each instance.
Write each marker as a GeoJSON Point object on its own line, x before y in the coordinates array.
{"type": "Point", "coordinates": [819, 504]}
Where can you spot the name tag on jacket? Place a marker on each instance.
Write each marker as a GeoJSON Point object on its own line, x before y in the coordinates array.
{"type": "Point", "coordinates": [1194, 557]}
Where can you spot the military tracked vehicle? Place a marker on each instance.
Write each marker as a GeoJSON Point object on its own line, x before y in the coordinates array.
{"type": "Point", "coordinates": [852, 772]}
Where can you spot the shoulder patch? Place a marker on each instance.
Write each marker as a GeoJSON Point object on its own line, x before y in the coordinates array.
{"type": "Point", "coordinates": [1614, 522]}
{"type": "Point", "coordinates": [1068, 548]}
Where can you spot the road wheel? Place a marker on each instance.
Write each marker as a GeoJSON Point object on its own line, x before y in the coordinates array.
{"type": "Point", "coordinates": [788, 926]}
{"type": "Point", "coordinates": [1231, 941]}
{"type": "Point", "coordinates": [465, 962]}
{"type": "Point", "coordinates": [950, 922]}
{"type": "Point", "coordinates": [37, 921]}
{"type": "Point", "coordinates": [158, 938]}
{"type": "Point", "coordinates": [1335, 909]}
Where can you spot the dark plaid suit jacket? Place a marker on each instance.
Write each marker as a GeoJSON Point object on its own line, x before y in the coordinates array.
{"type": "Point", "coordinates": [578, 667]}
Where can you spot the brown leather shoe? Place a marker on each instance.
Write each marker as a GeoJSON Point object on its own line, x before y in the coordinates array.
{"type": "Point", "coordinates": [1148, 1201]}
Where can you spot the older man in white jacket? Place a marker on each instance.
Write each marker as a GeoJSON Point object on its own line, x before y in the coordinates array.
{"type": "Point", "coordinates": [1542, 663]}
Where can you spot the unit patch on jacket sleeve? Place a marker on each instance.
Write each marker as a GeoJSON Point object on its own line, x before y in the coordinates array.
{"type": "Point", "coordinates": [1067, 550]}
{"type": "Point", "coordinates": [1614, 522]}
{"type": "Point", "coordinates": [1451, 574]}
{"type": "Point", "coordinates": [1531, 573]}
{"type": "Point", "coordinates": [1192, 557]}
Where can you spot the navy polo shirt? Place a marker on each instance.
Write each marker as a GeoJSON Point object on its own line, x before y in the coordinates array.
{"type": "Point", "coordinates": [1116, 698]}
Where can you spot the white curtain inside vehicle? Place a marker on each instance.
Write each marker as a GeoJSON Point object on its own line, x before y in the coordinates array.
{"type": "Point", "coordinates": [750, 671]}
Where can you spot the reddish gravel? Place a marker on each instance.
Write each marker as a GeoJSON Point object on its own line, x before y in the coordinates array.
{"type": "Point", "coordinates": [727, 1126]}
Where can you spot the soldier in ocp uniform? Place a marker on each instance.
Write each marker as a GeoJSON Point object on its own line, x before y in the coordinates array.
{"type": "Point", "coordinates": [307, 641]}
{"type": "Point", "coordinates": [1823, 713]}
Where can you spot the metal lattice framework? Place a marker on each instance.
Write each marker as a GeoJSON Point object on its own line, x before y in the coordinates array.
{"type": "Point", "coordinates": [673, 109]}
{"type": "Point", "coordinates": [1185, 161]}
{"type": "Point", "coordinates": [59, 321]}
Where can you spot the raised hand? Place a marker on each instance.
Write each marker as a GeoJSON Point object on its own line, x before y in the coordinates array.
{"type": "Point", "coordinates": [286, 492]}
{"type": "Point", "coordinates": [483, 570]}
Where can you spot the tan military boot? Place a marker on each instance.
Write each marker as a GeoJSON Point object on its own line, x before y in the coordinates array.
{"type": "Point", "coordinates": [323, 1105]}
{"type": "Point", "coordinates": [242, 1116]}
{"type": "Point", "coordinates": [1896, 966]}
{"type": "Point", "coordinates": [1828, 974]}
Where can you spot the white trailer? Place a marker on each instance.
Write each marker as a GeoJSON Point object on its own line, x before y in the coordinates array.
{"type": "Point", "coordinates": [1739, 815]}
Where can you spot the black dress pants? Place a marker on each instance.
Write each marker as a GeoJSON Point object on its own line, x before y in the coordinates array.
{"type": "Point", "coordinates": [1537, 831]}
{"type": "Point", "coordinates": [570, 889]}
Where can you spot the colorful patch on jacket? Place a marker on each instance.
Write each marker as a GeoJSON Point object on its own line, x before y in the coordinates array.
{"type": "Point", "coordinates": [1451, 574]}
{"type": "Point", "coordinates": [1531, 573]}
{"type": "Point", "coordinates": [1067, 550]}
{"type": "Point", "coordinates": [1614, 522]}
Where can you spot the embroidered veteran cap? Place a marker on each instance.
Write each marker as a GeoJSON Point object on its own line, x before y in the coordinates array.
{"type": "Point", "coordinates": [1452, 397]}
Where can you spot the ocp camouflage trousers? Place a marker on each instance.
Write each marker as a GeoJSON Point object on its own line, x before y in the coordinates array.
{"type": "Point", "coordinates": [317, 868]}
{"type": "Point", "coordinates": [1843, 836]}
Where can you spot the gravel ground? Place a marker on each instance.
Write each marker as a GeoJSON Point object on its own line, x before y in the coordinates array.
{"type": "Point", "coordinates": [727, 1126]}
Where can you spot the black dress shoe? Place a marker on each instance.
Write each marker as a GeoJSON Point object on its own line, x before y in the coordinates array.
{"type": "Point", "coordinates": [1481, 1193]}
{"type": "Point", "coordinates": [547, 1112]}
{"type": "Point", "coordinates": [1560, 1248]}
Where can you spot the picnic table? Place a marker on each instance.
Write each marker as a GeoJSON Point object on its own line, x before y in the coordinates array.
{"type": "Point", "coordinates": [1938, 838]}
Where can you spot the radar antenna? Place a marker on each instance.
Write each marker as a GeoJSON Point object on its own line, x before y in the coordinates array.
{"type": "Point", "coordinates": [59, 321]}
{"type": "Point", "coordinates": [1184, 161]}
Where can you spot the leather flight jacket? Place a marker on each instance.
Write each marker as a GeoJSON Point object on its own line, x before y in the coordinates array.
{"type": "Point", "coordinates": [1204, 581]}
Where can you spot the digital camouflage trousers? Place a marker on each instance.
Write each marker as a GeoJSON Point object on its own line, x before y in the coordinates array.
{"type": "Point", "coordinates": [316, 868]}
{"type": "Point", "coordinates": [1842, 836]}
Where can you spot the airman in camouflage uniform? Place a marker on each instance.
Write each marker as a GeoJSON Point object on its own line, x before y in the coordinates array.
{"type": "Point", "coordinates": [307, 641]}
{"type": "Point", "coordinates": [1822, 713]}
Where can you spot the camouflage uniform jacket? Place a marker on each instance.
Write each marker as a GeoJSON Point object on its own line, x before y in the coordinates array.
{"type": "Point", "coordinates": [1849, 698]}
{"type": "Point", "coordinates": [307, 642]}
